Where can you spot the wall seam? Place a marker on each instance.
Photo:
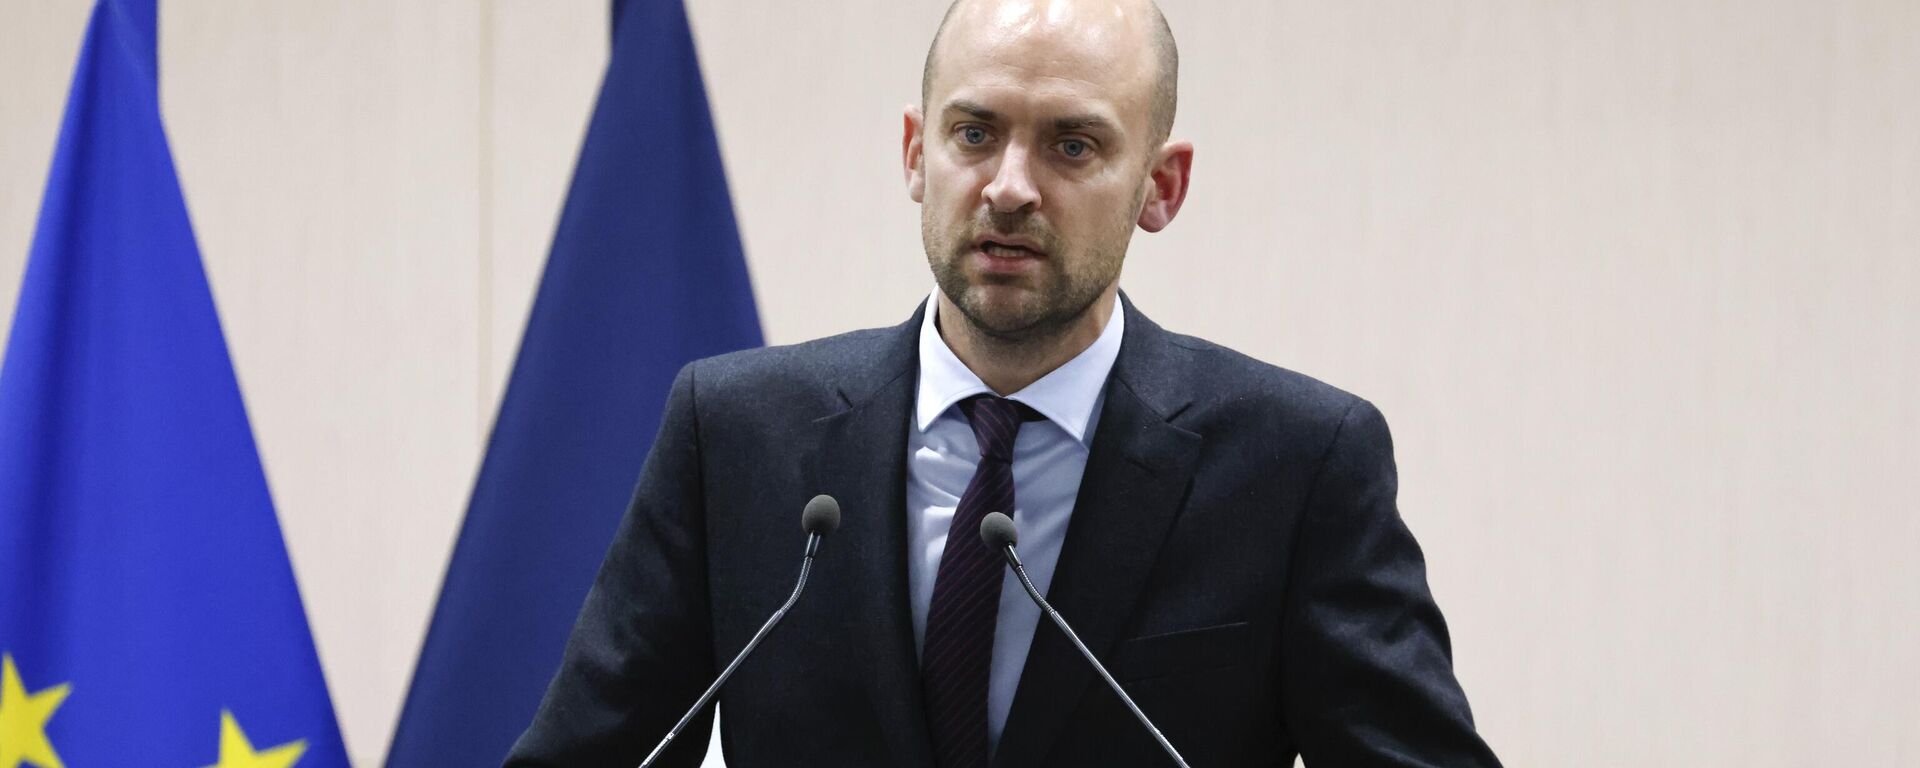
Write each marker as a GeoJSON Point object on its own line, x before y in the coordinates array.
{"type": "Point", "coordinates": [484, 337]}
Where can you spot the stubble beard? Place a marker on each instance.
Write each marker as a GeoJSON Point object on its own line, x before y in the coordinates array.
{"type": "Point", "coordinates": [1055, 300]}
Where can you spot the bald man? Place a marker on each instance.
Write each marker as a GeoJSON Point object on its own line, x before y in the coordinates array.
{"type": "Point", "coordinates": [1221, 533]}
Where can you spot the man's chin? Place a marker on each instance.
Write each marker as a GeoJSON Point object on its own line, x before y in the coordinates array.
{"type": "Point", "coordinates": [1002, 316]}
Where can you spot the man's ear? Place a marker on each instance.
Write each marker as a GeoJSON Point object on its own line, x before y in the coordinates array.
{"type": "Point", "coordinates": [1167, 185]}
{"type": "Point", "coordinates": [911, 151]}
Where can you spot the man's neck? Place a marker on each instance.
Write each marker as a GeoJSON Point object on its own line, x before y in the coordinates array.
{"type": "Point", "coordinates": [1008, 365]}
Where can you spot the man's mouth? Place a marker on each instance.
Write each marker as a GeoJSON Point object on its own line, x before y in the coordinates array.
{"type": "Point", "coordinates": [1007, 250]}
{"type": "Point", "coordinates": [1004, 258]}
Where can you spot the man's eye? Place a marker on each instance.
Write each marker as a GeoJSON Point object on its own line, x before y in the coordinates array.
{"type": "Point", "coordinates": [973, 135]}
{"type": "Point", "coordinates": [1075, 148]}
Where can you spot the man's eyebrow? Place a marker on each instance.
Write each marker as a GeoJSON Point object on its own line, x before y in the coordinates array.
{"type": "Point", "coordinates": [976, 109]}
{"type": "Point", "coordinates": [1080, 123]}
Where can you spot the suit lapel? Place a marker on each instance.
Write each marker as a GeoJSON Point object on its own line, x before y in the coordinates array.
{"type": "Point", "coordinates": [1135, 483]}
{"type": "Point", "coordinates": [861, 460]}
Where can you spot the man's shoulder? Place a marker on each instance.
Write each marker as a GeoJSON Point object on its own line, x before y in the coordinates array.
{"type": "Point", "coordinates": [1218, 373]}
{"type": "Point", "coordinates": [806, 369]}
{"type": "Point", "coordinates": [1232, 387]}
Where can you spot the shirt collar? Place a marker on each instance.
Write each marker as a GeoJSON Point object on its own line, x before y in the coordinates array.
{"type": "Point", "coordinates": [1067, 395]}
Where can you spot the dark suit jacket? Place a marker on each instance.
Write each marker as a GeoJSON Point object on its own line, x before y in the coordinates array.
{"type": "Point", "coordinates": [1235, 558]}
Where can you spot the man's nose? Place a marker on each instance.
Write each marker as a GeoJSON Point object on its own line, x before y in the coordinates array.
{"type": "Point", "coordinates": [1012, 188]}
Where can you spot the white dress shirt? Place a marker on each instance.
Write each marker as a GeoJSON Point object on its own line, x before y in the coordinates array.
{"type": "Point", "coordinates": [1048, 459]}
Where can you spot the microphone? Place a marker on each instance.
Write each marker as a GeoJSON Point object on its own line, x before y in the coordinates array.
{"type": "Point", "coordinates": [820, 517]}
{"type": "Point", "coordinates": [999, 533]}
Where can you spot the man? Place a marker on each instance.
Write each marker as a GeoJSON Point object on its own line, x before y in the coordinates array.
{"type": "Point", "coordinates": [1222, 533]}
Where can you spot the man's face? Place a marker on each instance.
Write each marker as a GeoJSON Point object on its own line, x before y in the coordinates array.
{"type": "Point", "coordinates": [1034, 157]}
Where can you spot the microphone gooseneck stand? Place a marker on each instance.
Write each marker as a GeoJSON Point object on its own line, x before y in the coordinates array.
{"type": "Point", "coordinates": [821, 516]}
{"type": "Point", "coordinates": [1000, 534]}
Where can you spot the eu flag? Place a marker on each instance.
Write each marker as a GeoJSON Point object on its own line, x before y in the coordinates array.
{"type": "Point", "coordinates": [645, 275]}
{"type": "Point", "coordinates": [148, 613]}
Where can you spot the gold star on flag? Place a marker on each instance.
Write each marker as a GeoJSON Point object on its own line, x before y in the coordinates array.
{"type": "Point", "coordinates": [237, 752]}
{"type": "Point", "coordinates": [23, 720]}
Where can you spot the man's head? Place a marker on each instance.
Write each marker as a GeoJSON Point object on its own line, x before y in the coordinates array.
{"type": "Point", "coordinates": [1039, 144]}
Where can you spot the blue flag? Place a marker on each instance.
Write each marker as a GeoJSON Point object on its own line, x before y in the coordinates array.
{"type": "Point", "coordinates": [148, 613]}
{"type": "Point", "coordinates": [645, 275]}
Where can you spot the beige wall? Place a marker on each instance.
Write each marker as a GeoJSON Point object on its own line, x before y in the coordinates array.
{"type": "Point", "coordinates": [1636, 283]}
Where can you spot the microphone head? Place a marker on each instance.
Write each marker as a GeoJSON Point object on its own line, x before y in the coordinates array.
{"type": "Point", "coordinates": [998, 531]}
{"type": "Point", "coordinates": [821, 516]}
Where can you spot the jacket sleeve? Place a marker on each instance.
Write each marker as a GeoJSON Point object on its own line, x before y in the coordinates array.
{"type": "Point", "coordinates": [1367, 670]}
{"type": "Point", "coordinates": [641, 650]}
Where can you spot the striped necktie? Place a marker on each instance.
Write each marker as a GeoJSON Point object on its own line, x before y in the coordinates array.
{"type": "Point", "coordinates": [958, 651]}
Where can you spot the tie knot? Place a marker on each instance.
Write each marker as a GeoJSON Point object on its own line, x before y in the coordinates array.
{"type": "Point", "coordinates": [996, 422]}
